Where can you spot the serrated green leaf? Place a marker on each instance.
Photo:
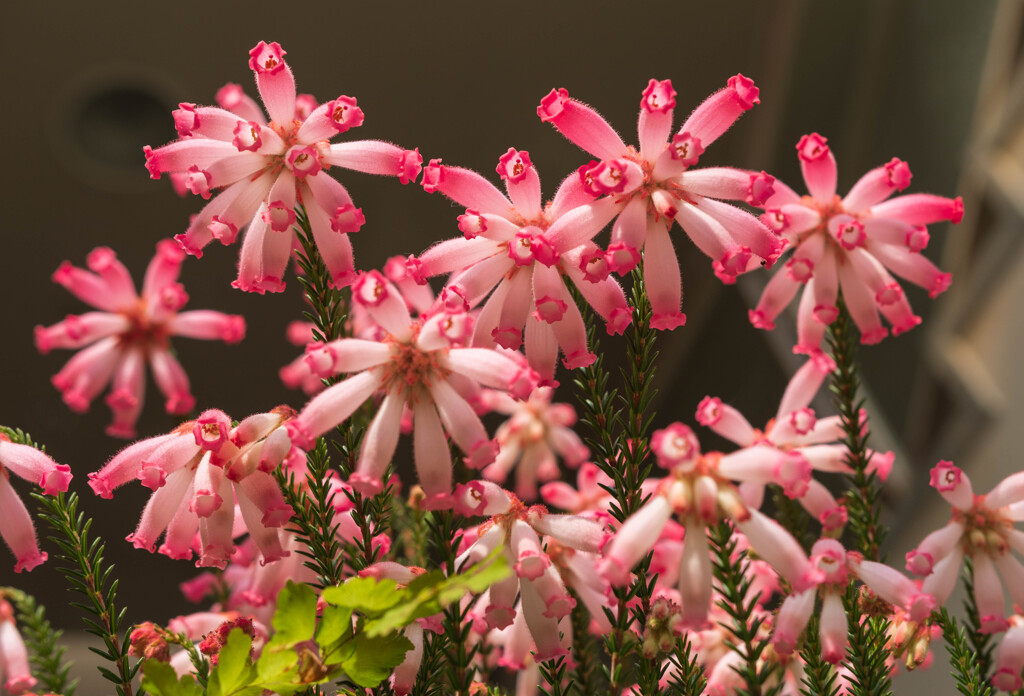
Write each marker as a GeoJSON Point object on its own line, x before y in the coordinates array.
{"type": "Point", "coordinates": [295, 618]}
{"type": "Point", "coordinates": [369, 660]}
{"type": "Point", "coordinates": [368, 596]}
{"type": "Point", "coordinates": [234, 670]}
{"type": "Point", "coordinates": [159, 679]}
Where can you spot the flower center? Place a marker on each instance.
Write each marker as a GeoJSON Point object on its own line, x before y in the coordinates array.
{"type": "Point", "coordinates": [984, 529]}
{"type": "Point", "coordinates": [412, 370]}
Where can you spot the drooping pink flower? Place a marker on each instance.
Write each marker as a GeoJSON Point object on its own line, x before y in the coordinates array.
{"type": "Point", "coordinates": [532, 440]}
{"type": "Point", "coordinates": [416, 366]}
{"type": "Point", "coordinates": [856, 244]}
{"type": "Point", "coordinates": [525, 252]}
{"type": "Point", "coordinates": [653, 184]}
{"type": "Point", "coordinates": [211, 483]}
{"type": "Point", "coordinates": [790, 446]}
{"type": "Point", "coordinates": [14, 669]}
{"type": "Point", "coordinates": [129, 331]}
{"type": "Point", "coordinates": [1009, 658]}
{"type": "Point", "coordinates": [837, 565]}
{"type": "Point", "coordinates": [699, 491]}
{"type": "Point", "coordinates": [590, 496]}
{"type": "Point", "coordinates": [982, 527]}
{"type": "Point", "coordinates": [263, 170]}
{"type": "Point", "coordinates": [16, 527]}
{"type": "Point", "coordinates": [517, 530]}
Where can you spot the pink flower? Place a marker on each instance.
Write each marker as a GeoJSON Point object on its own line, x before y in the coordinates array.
{"type": "Point", "coordinates": [532, 439]}
{"type": "Point", "coordinates": [13, 654]}
{"type": "Point", "coordinates": [836, 564]}
{"type": "Point", "coordinates": [264, 169]}
{"type": "Point", "coordinates": [517, 530]}
{"type": "Point", "coordinates": [129, 331]}
{"type": "Point", "coordinates": [699, 492]}
{"type": "Point", "coordinates": [417, 368]}
{"type": "Point", "coordinates": [525, 252]}
{"type": "Point", "coordinates": [1009, 660]}
{"type": "Point", "coordinates": [16, 525]}
{"type": "Point", "coordinates": [654, 184]}
{"type": "Point", "coordinates": [589, 496]}
{"type": "Point", "coordinates": [853, 244]}
{"type": "Point", "coordinates": [206, 475]}
{"type": "Point", "coordinates": [982, 527]}
{"type": "Point", "coordinates": [791, 445]}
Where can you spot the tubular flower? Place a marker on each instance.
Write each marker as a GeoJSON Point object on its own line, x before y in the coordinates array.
{"type": "Point", "coordinates": [205, 476]}
{"type": "Point", "coordinates": [16, 526]}
{"type": "Point", "coordinates": [532, 439]}
{"type": "Point", "coordinates": [837, 564]}
{"type": "Point", "coordinates": [517, 530]}
{"type": "Point", "coordinates": [699, 491]}
{"type": "Point", "coordinates": [14, 673]}
{"type": "Point", "coordinates": [417, 368]}
{"type": "Point", "coordinates": [525, 253]}
{"type": "Point", "coordinates": [1009, 658]}
{"type": "Point", "coordinates": [652, 185]}
{"type": "Point", "coordinates": [854, 244]}
{"type": "Point", "coordinates": [590, 496]}
{"type": "Point", "coordinates": [129, 331]}
{"type": "Point", "coordinates": [419, 299]}
{"type": "Point", "coordinates": [263, 170]}
{"type": "Point", "coordinates": [791, 445]}
{"type": "Point", "coordinates": [982, 527]}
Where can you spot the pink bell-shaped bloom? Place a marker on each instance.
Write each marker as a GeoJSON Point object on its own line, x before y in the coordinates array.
{"type": "Point", "coordinates": [982, 527]}
{"type": "Point", "coordinates": [517, 530]}
{"type": "Point", "coordinates": [260, 170]}
{"type": "Point", "coordinates": [210, 483]}
{"type": "Point", "coordinates": [532, 440]}
{"type": "Point", "coordinates": [525, 252]}
{"type": "Point", "coordinates": [699, 492]}
{"type": "Point", "coordinates": [1009, 658]}
{"type": "Point", "coordinates": [653, 184]}
{"type": "Point", "coordinates": [129, 330]}
{"type": "Point", "coordinates": [14, 671]}
{"type": "Point", "coordinates": [791, 446]}
{"type": "Point", "coordinates": [16, 527]}
{"type": "Point", "coordinates": [854, 244]}
{"type": "Point", "coordinates": [417, 368]}
{"type": "Point", "coordinates": [589, 497]}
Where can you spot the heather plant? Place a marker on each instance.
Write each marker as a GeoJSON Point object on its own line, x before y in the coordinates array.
{"type": "Point", "coordinates": [332, 562]}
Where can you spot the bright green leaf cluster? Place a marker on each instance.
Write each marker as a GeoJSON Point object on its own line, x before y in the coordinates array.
{"type": "Point", "coordinates": [357, 636]}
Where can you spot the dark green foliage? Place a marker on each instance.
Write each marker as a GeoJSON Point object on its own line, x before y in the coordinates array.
{"type": "Point", "coordinates": [867, 651]}
{"type": "Point", "coordinates": [820, 678]}
{"type": "Point", "coordinates": [737, 601]}
{"type": "Point", "coordinates": [863, 499]}
{"type": "Point", "coordinates": [554, 674]}
{"type": "Point", "coordinates": [981, 643]}
{"type": "Point", "coordinates": [44, 650]}
{"type": "Point", "coordinates": [86, 572]}
{"type": "Point", "coordinates": [968, 670]}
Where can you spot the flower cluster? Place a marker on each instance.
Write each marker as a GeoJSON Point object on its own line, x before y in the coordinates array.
{"type": "Point", "coordinates": [691, 572]}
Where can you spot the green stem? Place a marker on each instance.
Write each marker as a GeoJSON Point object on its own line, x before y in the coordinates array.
{"type": "Point", "coordinates": [45, 652]}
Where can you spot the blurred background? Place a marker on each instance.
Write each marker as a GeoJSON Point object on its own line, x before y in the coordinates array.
{"type": "Point", "coordinates": [938, 83]}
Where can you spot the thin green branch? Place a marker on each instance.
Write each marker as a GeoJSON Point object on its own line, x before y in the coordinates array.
{"type": "Point", "coordinates": [42, 640]}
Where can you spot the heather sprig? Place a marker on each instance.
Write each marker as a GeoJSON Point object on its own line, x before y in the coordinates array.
{"type": "Point", "coordinates": [46, 653]}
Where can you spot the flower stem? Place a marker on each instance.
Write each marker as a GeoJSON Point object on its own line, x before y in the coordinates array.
{"type": "Point", "coordinates": [864, 497]}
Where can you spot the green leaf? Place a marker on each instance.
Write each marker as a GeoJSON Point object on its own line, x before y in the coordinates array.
{"type": "Point", "coordinates": [335, 622]}
{"type": "Point", "coordinates": [366, 595]}
{"type": "Point", "coordinates": [159, 679]}
{"type": "Point", "coordinates": [295, 618]}
{"type": "Point", "coordinates": [234, 670]}
{"type": "Point", "coordinates": [369, 660]}
{"type": "Point", "coordinates": [278, 672]}
{"type": "Point", "coordinates": [432, 592]}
